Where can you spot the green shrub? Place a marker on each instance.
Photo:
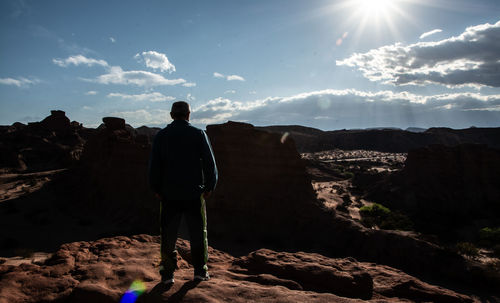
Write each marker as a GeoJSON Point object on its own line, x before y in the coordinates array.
{"type": "Point", "coordinates": [489, 236]}
{"type": "Point", "coordinates": [381, 216]}
{"type": "Point", "coordinates": [348, 175]}
{"type": "Point", "coordinates": [467, 248]}
{"type": "Point", "coordinates": [374, 210]}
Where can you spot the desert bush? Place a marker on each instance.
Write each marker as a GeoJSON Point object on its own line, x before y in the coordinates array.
{"type": "Point", "coordinates": [374, 210]}
{"type": "Point", "coordinates": [489, 236]}
{"type": "Point", "coordinates": [467, 248]}
{"type": "Point", "coordinates": [383, 217]}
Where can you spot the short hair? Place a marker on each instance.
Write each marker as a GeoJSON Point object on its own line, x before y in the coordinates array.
{"type": "Point", "coordinates": [180, 110]}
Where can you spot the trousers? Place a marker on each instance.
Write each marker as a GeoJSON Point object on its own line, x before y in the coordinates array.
{"type": "Point", "coordinates": [171, 213]}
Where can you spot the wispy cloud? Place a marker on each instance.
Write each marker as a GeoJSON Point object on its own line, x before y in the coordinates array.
{"type": "Point", "coordinates": [189, 84]}
{"type": "Point", "coordinates": [117, 75]}
{"type": "Point", "coordinates": [230, 91]}
{"type": "Point", "coordinates": [470, 59]}
{"type": "Point", "coordinates": [331, 109]}
{"type": "Point", "coordinates": [79, 60]}
{"type": "Point", "coordinates": [348, 108]}
{"type": "Point", "coordinates": [218, 75]}
{"type": "Point", "coordinates": [91, 93]}
{"type": "Point", "coordinates": [113, 40]}
{"type": "Point", "coordinates": [19, 82]}
{"type": "Point", "coordinates": [432, 32]}
{"type": "Point", "coordinates": [156, 60]}
{"type": "Point", "coordinates": [229, 77]}
{"type": "Point", "coordinates": [152, 97]}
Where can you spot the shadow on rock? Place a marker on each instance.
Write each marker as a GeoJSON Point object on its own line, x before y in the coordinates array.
{"type": "Point", "coordinates": [157, 293]}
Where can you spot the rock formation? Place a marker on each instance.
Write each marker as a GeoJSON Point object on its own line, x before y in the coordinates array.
{"type": "Point", "coordinates": [265, 196]}
{"type": "Point", "coordinates": [263, 183]}
{"type": "Point", "coordinates": [101, 271]}
{"type": "Point", "coordinates": [111, 179]}
{"type": "Point", "coordinates": [50, 144]}
{"type": "Point", "coordinates": [444, 187]}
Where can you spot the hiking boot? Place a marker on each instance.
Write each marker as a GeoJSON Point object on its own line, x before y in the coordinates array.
{"type": "Point", "coordinates": [203, 276]}
{"type": "Point", "coordinates": [167, 278]}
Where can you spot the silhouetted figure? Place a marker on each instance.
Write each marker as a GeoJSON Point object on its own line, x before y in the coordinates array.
{"type": "Point", "coordinates": [182, 173]}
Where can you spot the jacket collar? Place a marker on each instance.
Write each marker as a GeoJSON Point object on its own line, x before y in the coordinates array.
{"type": "Point", "coordinates": [180, 122]}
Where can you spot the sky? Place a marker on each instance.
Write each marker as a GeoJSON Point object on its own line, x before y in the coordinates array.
{"type": "Point", "coordinates": [337, 64]}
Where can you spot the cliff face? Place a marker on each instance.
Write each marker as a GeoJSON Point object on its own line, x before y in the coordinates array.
{"type": "Point", "coordinates": [262, 182]}
{"type": "Point", "coordinates": [451, 185]}
{"type": "Point", "coordinates": [111, 179]}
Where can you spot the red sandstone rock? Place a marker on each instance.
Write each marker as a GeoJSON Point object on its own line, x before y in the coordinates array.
{"type": "Point", "coordinates": [101, 271]}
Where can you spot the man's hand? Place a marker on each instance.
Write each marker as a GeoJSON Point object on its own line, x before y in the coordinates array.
{"type": "Point", "coordinates": [207, 194]}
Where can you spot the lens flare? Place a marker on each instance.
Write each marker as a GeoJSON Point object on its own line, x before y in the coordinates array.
{"type": "Point", "coordinates": [283, 138]}
{"type": "Point", "coordinates": [136, 289]}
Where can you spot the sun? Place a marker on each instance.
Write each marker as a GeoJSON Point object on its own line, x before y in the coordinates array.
{"type": "Point", "coordinates": [374, 6]}
{"type": "Point", "coordinates": [374, 16]}
{"type": "Point", "coordinates": [374, 9]}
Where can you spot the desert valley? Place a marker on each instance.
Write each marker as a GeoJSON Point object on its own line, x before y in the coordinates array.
{"type": "Point", "coordinates": [299, 215]}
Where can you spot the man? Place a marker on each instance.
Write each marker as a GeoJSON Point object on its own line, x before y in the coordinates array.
{"type": "Point", "coordinates": [182, 173]}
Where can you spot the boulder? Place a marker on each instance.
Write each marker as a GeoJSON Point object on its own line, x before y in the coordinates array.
{"type": "Point", "coordinates": [114, 123]}
{"type": "Point", "coordinates": [57, 121]}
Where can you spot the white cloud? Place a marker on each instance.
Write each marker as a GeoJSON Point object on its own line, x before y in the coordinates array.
{"type": "Point", "coordinates": [230, 91]}
{"type": "Point", "coordinates": [156, 61]}
{"type": "Point", "coordinates": [189, 84]}
{"type": "Point", "coordinates": [229, 77]}
{"type": "Point", "coordinates": [152, 97]}
{"type": "Point", "coordinates": [432, 32]}
{"type": "Point", "coordinates": [91, 93]}
{"type": "Point", "coordinates": [20, 82]}
{"type": "Point", "coordinates": [335, 109]}
{"type": "Point", "coordinates": [218, 75]}
{"type": "Point", "coordinates": [140, 78]}
{"type": "Point", "coordinates": [235, 77]}
{"type": "Point", "coordinates": [190, 97]}
{"type": "Point", "coordinates": [470, 59]}
{"type": "Point", "coordinates": [79, 60]}
{"type": "Point", "coordinates": [113, 40]}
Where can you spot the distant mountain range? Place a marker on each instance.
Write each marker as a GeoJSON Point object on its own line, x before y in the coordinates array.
{"type": "Point", "coordinates": [309, 139]}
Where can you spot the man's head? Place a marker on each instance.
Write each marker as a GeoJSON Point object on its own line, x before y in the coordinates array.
{"type": "Point", "coordinates": [180, 111]}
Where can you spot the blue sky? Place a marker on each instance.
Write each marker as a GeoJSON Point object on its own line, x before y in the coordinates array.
{"type": "Point", "coordinates": [325, 64]}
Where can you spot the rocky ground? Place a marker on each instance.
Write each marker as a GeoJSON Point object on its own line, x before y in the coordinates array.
{"type": "Point", "coordinates": [103, 270]}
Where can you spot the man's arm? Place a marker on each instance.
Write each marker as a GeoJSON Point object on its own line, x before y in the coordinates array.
{"type": "Point", "coordinates": [155, 166]}
{"type": "Point", "coordinates": [209, 167]}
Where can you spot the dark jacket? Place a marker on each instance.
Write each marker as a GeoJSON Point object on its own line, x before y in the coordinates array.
{"type": "Point", "coordinates": [182, 164]}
